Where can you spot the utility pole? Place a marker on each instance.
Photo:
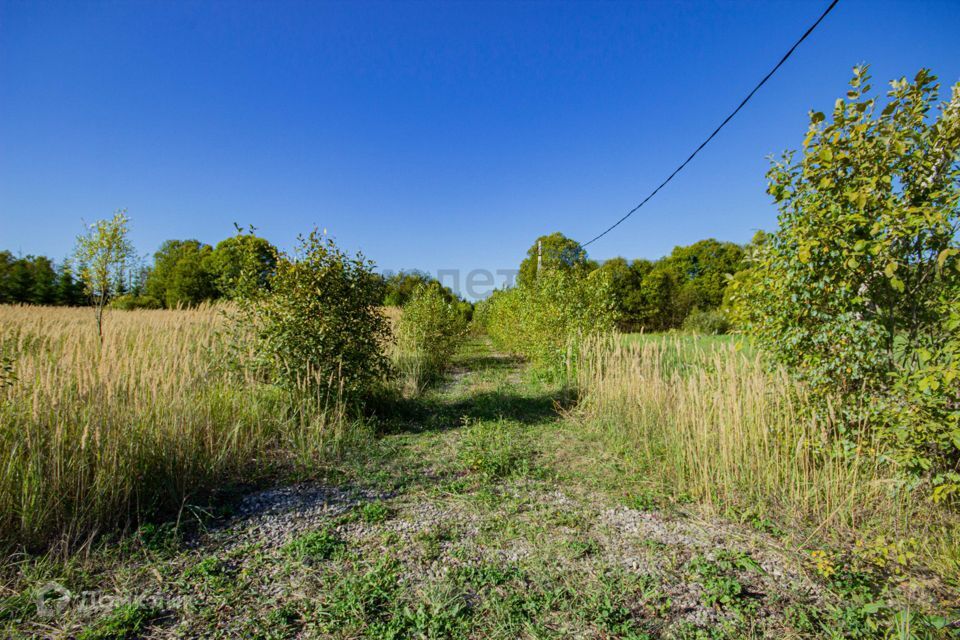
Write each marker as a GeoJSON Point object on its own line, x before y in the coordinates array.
{"type": "Point", "coordinates": [539, 255]}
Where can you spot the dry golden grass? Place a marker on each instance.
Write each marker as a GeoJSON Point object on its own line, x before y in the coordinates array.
{"type": "Point", "coordinates": [719, 426]}
{"type": "Point", "coordinates": [92, 435]}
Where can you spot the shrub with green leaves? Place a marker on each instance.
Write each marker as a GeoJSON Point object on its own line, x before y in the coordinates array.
{"type": "Point", "coordinates": [710, 322]}
{"type": "Point", "coordinates": [547, 319]}
{"type": "Point", "coordinates": [429, 333]}
{"type": "Point", "coordinates": [857, 289]}
{"type": "Point", "coordinates": [318, 324]}
{"type": "Point", "coordinates": [130, 302]}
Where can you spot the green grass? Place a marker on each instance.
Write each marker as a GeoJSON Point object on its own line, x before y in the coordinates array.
{"type": "Point", "coordinates": [316, 545]}
{"type": "Point", "coordinates": [685, 349]}
{"type": "Point", "coordinates": [503, 514]}
{"type": "Point", "coordinates": [125, 622]}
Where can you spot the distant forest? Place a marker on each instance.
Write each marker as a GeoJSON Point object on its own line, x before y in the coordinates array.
{"type": "Point", "coordinates": [652, 295]}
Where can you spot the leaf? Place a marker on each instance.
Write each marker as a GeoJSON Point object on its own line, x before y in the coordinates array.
{"type": "Point", "coordinates": [891, 269]}
{"type": "Point", "coordinates": [817, 117]}
{"type": "Point", "coordinates": [946, 253]}
{"type": "Point", "coordinates": [897, 284]}
{"type": "Point", "coordinates": [826, 155]}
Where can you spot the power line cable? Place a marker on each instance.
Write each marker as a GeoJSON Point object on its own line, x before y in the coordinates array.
{"type": "Point", "coordinates": [722, 124]}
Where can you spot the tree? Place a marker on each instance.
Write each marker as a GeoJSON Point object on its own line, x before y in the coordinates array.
{"type": "Point", "coordinates": [657, 309]}
{"type": "Point", "coordinates": [320, 323]}
{"type": "Point", "coordinates": [20, 281]}
{"type": "Point", "coordinates": [43, 288]}
{"type": "Point", "coordinates": [181, 275]}
{"type": "Point", "coordinates": [69, 289]}
{"type": "Point", "coordinates": [701, 272]}
{"type": "Point", "coordinates": [104, 251]}
{"type": "Point", "coordinates": [225, 263]}
{"type": "Point", "coordinates": [557, 252]}
{"type": "Point", "coordinates": [624, 281]}
{"type": "Point", "coordinates": [856, 290]}
{"type": "Point", "coordinates": [6, 266]}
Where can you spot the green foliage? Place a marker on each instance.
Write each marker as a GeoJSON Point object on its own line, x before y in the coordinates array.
{"type": "Point", "coordinates": [181, 275]}
{"type": "Point", "coordinates": [493, 450]}
{"type": "Point", "coordinates": [104, 252]}
{"type": "Point", "coordinates": [546, 320]}
{"type": "Point", "coordinates": [721, 587]}
{"type": "Point", "coordinates": [232, 256]}
{"type": "Point", "coordinates": [126, 621]}
{"type": "Point", "coordinates": [701, 272]}
{"type": "Point", "coordinates": [712, 322]}
{"type": "Point", "coordinates": [857, 289]}
{"type": "Point", "coordinates": [130, 301]}
{"type": "Point", "coordinates": [29, 280]}
{"type": "Point", "coordinates": [656, 296]}
{"type": "Point", "coordinates": [319, 323]}
{"type": "Point", "coordinates": [323, 544]}
{"type": "Point", "coordinates": [557, 253]}
{"type": "Point", "coordinates": [429, 332]}
{"type": "Point", "coordinates": [374, 512]}
{"type": "Point", "coordinates": [400, 287]}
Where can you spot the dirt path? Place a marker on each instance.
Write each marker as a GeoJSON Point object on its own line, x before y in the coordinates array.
{"type": "Point", "coordinates": [484, 514]}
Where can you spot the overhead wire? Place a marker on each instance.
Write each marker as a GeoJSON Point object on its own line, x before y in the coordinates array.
{"type": "Point", "coordinates": [703, 144]}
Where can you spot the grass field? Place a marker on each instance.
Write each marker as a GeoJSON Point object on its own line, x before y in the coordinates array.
{"type": "Point", "coordinates": [678, 490]}
{"type": "Point", "coordinates": [93, 437]}
{"type": "Point", "coordinates": [705, 418]}
{"type": "Point", "coordinates": [490, 508]}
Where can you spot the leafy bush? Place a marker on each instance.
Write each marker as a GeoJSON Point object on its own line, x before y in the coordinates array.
{"type": "Point", "coordinates": [319, 323]}
{"type": "Point", "coordinates": [428, 334]}
{"type": "Point", "coordinates": [547, 319]}
{"type": "Point", "coordinates": [130, 302]}
{"type": "Point", "coordinates": [495, 450]}
{"type": "Point", "coordinates": [857, 291]}
{"type": "Point", "coordinates": [711, 322]}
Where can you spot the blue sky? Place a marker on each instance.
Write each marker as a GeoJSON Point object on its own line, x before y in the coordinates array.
{"type": "Point", "coordinates": [429, 135]}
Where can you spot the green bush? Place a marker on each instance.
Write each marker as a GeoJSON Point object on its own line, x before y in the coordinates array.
{"type": "Point", "coordinates": [318, 324]}
{"type": "Point", "coordinates": [710, 322]}
{"type": "Point", "coordinates": [129, 302]}
{"type": "Point", "coordinates": [547, 319]}
{"type": "Point", "coordinates": [857, 291]}
{"type": "Point", "coordinates": [429, 332]}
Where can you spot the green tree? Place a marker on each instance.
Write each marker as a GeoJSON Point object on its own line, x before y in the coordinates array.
{"type": "Point", "coordinates": [103, 251]}
{"type": "Point", "coordinates": [856, 290]}
{"type": "Point", "coordinates": [43, 287]}
{"type": "Point", "coordinates": [181, 275]}
{"type": "Point", "coordinates": [547, 320]}
{"type": "Point", "coordinates": [557, 252]}
{"type": "Point", "coordinates": [657, 309]}
{"type": "Point", "coordinates": [401, 286]}
{"type": "Point", "coordinates": [69, 291]}
{"type": "Point", "coordinates": [20, 281]}
{"type": "Point", "coordinates": [701, 272]}
{"type": "Point", "coordinates": [429, 332]}
{"type": "Point", "coordinates": [226, 262]}
{"type": "Point", "coordinates": [625, 281]}
{"type": "Point", "coordinates": [319, 323]}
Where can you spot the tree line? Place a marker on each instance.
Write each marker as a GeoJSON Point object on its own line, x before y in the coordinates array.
{"type": "Point", "coordinates": [183, 273]}
{"type": "Point", "coordinates": [686, 287]}
{"type": "Point", "coordinates": [652, 295]}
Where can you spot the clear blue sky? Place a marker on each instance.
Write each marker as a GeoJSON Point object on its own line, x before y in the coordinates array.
{"type": "Point", "coordinates": [429, 135]}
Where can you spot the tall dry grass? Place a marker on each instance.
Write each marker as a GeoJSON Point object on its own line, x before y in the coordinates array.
{"type": "Point", "coordinates": [718, 425]}
{"type": "Point", "coordinates": [93, 436]}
